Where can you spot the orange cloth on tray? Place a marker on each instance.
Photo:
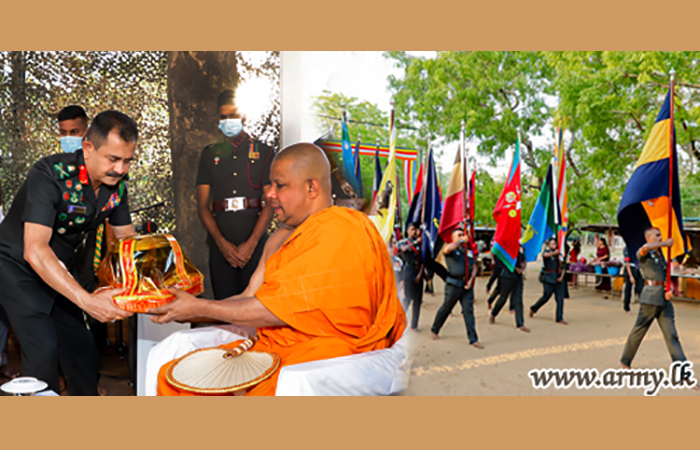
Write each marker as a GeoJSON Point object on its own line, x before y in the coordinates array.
{"type": "Point", "coordinates": [332, 283]}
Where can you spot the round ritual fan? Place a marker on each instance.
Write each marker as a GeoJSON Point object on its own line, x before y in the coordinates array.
{"type": "Point", "coordinates": [220, 371]}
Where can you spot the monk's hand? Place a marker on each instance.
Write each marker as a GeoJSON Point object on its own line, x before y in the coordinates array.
{"type": "Point", "coordinates": [101, 306]}
{"type": "Point", "coordinates": [230, 252]}
{"type": "Point", "coordinates": [185, 306]}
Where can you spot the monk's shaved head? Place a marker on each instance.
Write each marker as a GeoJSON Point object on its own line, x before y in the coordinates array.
{"type": "Point", "coordinates": [307, 162]}
{"type": "Point", "coordinates": [300, 178]}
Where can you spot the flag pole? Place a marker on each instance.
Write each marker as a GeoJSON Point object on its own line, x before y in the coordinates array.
{"type": "Point", "coordinates": [465, 180]}
{"type": "Point", "coordinates": [671, 157]}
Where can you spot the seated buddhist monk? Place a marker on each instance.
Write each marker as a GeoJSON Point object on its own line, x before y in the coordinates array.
{"type": "Point", "coordinates": [327, 291]}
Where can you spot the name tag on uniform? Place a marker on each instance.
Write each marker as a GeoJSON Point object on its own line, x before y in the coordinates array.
{"type": "Point", "coordinates": [77, 209]}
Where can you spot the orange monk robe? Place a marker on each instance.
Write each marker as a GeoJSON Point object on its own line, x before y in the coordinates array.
{"type": "Point", "coordinates": [333, 284]}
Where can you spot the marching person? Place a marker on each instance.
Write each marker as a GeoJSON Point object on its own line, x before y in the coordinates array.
{"type": "Point", "coordinates": [512, 285]}
{"type": "Point", "coordinates": [65, 196]}
{"type": "Point", "coordinates": [654, 302]}
{"type": "Point", "coordinates": [412, 271]}
{"type": "Point", "coordinates": [552, 281]}
{"type": "Point", "coordinates": [633, 279]}
{"type": "Point", "coordinates": [233, 175]}
{"type": "Point", "coordinates": [459, 286]}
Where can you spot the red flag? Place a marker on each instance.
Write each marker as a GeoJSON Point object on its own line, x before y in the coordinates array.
{"type": "Point", "coordinates": [452, 212]}
{"type": "Point", "coordinates": [507, 215]}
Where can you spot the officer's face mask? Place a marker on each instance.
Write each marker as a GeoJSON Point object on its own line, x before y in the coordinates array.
{"type": "Point", "coordinates": [70, 144]}
{"type": "Point", "coordinates": [231, 127]}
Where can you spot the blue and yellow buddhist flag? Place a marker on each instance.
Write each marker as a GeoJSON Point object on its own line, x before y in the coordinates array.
{"type": "Point", "coordinates": [645, 202]}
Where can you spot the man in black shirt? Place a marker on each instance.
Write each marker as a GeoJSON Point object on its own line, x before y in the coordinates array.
{"type": "Point", "coordinates": [412, 271]}
{"type": "Point", "coordinates": [64, 197]}
{"type": "Point", "coordinates": [233, 175]}
{"type": "Point", "coordinates": [459, 285]}
{"type": "Point", "coordinates": [553, 281]}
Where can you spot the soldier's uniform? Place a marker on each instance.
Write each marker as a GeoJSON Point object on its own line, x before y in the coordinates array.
{"type": "Point", "coordinates": [50, 328]}
{"type": "Point", "coordinates": [653, 305]}
{"type": "Point", "coordinates": [236, 170]}
{"type": "Point", "coordinates": [512, 284]}
{"type": "Point", "coordinates": [409, 253]}
{"type": "Point", "coordinates": [455, 292]}
{"type": "Point", "coordinates": [552, 269]}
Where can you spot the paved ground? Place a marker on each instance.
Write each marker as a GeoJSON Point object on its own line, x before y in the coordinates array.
{"type": "Point", "coordinates": [594, 338]}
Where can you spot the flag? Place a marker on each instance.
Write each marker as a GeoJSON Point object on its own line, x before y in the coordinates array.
{"type": "Point", "coordinates": [453, 211]}
{"type": "Point", "coordinates": [377, 175]}
{"type": "Point", "coordinates": [432, 209]}
{"type": "Point", "coordinates": [409, 178]}
{"type": "Point", "coordinates": [542, 221]}
{"type": "Point", "coordinates": [507, 215]}
{"type": "Point", "coordinates": [645, 201]}
{"type": "Point", "coordinates": [357, 170]}
{"type": "Point", "coordinates": [471, 209]}
{"type": "Point", "coordinates": [348, 161]}
{"type": "Point", "coordinates": [384, 207]}
{"type": "Point", "coordinates": [415, 209]}
{"type": "Point", "coordinates": [562, 194]}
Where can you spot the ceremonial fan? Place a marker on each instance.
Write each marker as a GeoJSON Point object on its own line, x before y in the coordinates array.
{"type": "Point", "coordinates": [220, 371]}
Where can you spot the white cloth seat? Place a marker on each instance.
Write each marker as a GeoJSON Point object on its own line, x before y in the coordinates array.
{"type": "Point", "coordinates": [381, 372]}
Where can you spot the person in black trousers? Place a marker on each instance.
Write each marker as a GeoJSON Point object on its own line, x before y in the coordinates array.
{"type": "Point", "coordinates": [412, 272]}
{"type": "Point", "coordinates": [552, 281]}
{"type": "Point", "coordinates": [457, 287]}
{"type": "Point", "coordinates": [512, 285]}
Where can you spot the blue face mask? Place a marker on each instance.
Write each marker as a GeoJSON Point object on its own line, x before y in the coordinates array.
{"type": "Point", "coordinates": [70, 144]}
{"type": "Point", "coordinates": [231, 127]}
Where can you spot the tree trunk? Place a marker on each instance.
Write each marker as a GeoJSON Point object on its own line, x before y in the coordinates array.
{"type": "Point", "coordinates": [195, 79]}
